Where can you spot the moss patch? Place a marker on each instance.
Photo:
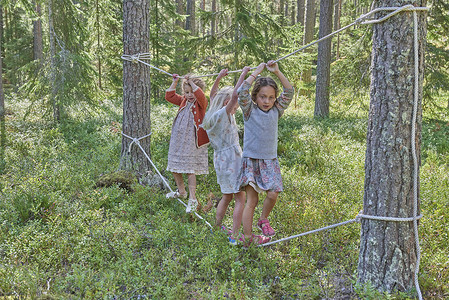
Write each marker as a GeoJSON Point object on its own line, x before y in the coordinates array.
{"type": "Point", "coordinates": [124, 179]}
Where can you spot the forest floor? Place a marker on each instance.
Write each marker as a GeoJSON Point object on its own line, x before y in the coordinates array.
{"type": "Point", "coordinates": [62, 237]}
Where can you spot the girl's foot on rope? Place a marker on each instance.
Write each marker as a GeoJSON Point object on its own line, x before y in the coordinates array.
{"type": "Point", "coordinates": [191, 206]}
{"type": "Point", "coordinates": [176, 194]}
{"type": "Point", "coordinates": [255, 240]}
{"type": "Point", "coordinates": [267, 230]}
{"type": "Point", "coordinates": [233, 241]}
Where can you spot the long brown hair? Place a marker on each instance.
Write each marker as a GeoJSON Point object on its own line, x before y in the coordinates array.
{"type": "Point", "coordinates": [260, 83]}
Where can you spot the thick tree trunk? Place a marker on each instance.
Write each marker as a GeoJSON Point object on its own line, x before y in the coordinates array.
{"type": "Point", "coordinates": [37, 34]}
{"type": "Point", "coordinates": [324, 61]}
{"type": "Point", "coordinates": [309, 26]}
{"type": "Point", "coordinates": [387, 249]}
{"type": "Point", "coordinates": [136, 86]}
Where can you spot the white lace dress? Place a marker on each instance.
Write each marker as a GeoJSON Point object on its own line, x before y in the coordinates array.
{"type": "Point", "coordinates": [224, 138]}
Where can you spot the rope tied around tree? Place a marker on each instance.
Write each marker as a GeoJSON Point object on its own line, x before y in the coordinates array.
{"type": "Point", "coordinates": [135, 58]}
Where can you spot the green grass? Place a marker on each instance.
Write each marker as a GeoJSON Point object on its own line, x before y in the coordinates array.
{"type": "Point", "coordinates": [61, 237]}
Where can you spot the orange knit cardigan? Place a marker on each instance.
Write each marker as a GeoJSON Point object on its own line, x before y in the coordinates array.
{"type": "Point", "coordinates": [198, 110]}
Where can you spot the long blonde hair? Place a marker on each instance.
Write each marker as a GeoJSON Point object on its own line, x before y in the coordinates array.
{"type": "Point", "coordinates": [215, 104]}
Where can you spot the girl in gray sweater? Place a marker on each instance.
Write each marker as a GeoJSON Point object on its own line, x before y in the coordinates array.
{"type": "Point", "coordinates": [260, 171]}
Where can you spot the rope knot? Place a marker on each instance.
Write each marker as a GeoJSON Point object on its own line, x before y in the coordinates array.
{"type": "Point", "coordinates": [135, 58]}
{"type": "Point", "coordinates": [358, 218]}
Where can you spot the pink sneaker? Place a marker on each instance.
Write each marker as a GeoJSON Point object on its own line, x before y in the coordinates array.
{"type": "Point", "coordinates": [264, 225]}
{"type": "Point", "coordinates": [255, 240]}
{"type": "Point", "coordinates": [233, 241]}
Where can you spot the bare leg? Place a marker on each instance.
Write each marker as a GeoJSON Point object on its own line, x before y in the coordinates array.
{"type": "Point", "coordinates": [238, 213]}
{"type": "Point", "coordinates": [191, 179]}
{"type": "Point", "coordinates": [180, 183]}
{"type": "Point", "coordinates": [248, 212]}
{"type": "Point", "coordinates": [268, 204]}
{"type": "Point", "coordinates": [221, 208]}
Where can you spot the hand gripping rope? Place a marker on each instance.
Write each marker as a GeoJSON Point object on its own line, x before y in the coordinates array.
{"type": "Point", "coordinates": [361, 20]}
{"type": "Point", "coordinates": [136, 141]}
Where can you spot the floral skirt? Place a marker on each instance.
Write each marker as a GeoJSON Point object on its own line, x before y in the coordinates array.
{"type": "Point", "coordinates": [261, 174]}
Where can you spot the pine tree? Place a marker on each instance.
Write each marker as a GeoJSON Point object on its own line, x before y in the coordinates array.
{"type": "Point", "coordinates": [324, 61]}
{"type": "Point", "coordinates": [136, 87]}
{"type": "Point", "coordinates": [388, 254]}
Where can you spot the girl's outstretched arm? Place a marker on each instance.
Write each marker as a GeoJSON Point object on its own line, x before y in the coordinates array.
{"type": "Point", "coordinates": [231, 104]}
{"type": "Point", "coordinates": [214, 89]}
{"type": "Point", "coordinates": [274, 68]}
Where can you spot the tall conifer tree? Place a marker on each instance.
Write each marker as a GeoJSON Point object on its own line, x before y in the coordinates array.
{"type": "Point", "coordinates": [136, 86]}
{"type": "Point", "coordinates": [388, 255]}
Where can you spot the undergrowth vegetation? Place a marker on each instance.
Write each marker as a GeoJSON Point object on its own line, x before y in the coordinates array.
{"type": "Point", "coordinates": [61, 237]}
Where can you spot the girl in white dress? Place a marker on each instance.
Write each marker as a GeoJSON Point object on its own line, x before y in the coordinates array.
{"type": "Point", "coordinates": [219, 123]}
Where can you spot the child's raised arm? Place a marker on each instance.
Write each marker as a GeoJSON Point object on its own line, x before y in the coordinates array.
{"type": "Point", "coordinates": [252, 77]}
{"type": "Point", "coordinates": [174, 82]}
{"type": "Point", "coordinates": [214, 89]}
{"type": "Point", "coordinates": [273, 67]}
{"type": "Point", "coordinates": [231, 104]}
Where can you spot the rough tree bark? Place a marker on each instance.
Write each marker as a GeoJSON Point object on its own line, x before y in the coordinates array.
{"type": "Point", "coordinates": [387, 256]}
{"type": "Point", "coordinates": [136, 86]}
{"type": "Point", "coordinates": [323, 68]}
